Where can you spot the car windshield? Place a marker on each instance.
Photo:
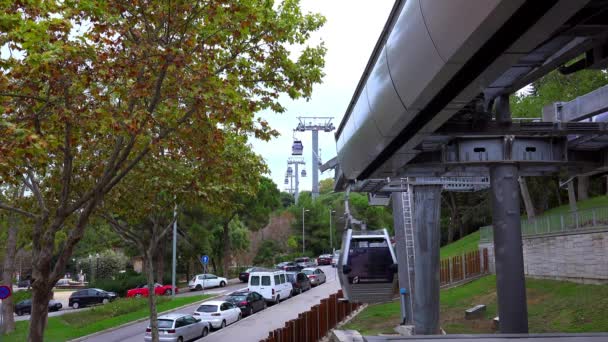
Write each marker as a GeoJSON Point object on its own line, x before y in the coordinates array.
{"type": "Point", "coordinates": [249, 270]}
{"type": "Point", "coordinates": [291, 277]}
{"type": "Point", "coordinates": [207, 308]}
{"type": "Point", "coordinates": [237, 298]}
{"type": "Point", "coordinates": [308, 272]}
{"type": "Point", "coordinates": [165, 323]}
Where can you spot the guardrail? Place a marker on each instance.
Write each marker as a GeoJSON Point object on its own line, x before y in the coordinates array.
{"type": "Point", "coordinates": [315, 324]}
{"type": "Point", "coordinates": [462, 267]}
{"type": "Point", "coordinates": [556, 223]}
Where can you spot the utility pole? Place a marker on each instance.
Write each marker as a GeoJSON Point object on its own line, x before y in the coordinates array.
{"type": "Point", "coordinates": [315, 124]}
{"type": "Point", "coordinates": [296, 162]}
{"type": "Point", "coordinates": [303, 231]}
{"type": "Point", "coordinates": [174, 265]}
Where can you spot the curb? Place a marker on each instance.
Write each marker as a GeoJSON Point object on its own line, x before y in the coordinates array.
{"type": "Point", "coordinates": [83, 338]}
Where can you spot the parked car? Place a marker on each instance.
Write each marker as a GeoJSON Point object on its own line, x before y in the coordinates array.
{"type": "Point", "coordinates": [299, 282]}
{"type": "Point", "coordinates": [24, 283]}
{"type": "Point", "coordinates": [249, 302]}
{"type": "Point", "coordinates": [63, 282]}
{"type": "Point", "coordinates": [315, 275]}
{"type": "Point", "coordinates": [179, 328]}
{"type": "Point", "coordinates": [25, 307]}
{"type": "Point", "coordinates": [334, 259]}
{"type": "Point", "coordinates": [272, 285]}
{"type": "Point", "coordinates": [218, 313]}
{"type": "Point", "coordinates": [244, 276]}
{"type": "Point", "coordinates": [205, 281]}
{"type": "Point", "coordinates": [86, 297]}
{"type": "Point", "coordinates": [324, 259]}
{"type": "Point", "coordinates": [289, 266]}
{"type": "Point", "coordinates": [142, 290]}
{"type": "Point", "coordinates": [303, 262]}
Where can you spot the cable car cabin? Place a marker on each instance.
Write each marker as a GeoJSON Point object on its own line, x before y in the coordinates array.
{"type": "Point", "coordinates": [297, 148]}
{"type": "Point", "coordinates": [303, 173]}
{"type": "Point", "coordinates": [367, 267]}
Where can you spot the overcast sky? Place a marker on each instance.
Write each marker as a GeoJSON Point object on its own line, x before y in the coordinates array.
{"type": "Point", "coordinates": [350, 33]}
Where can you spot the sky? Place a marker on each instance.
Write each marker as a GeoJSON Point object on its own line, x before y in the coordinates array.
{"type": "Point", "coordinates": [350, 34]}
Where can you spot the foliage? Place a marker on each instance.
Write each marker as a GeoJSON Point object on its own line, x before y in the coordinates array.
{"type": "Point", "coordinates": [326, 186]}
{"type": "Point", "coordinates": [121, 283]}
{"type": "Point", "coordinates": [553, 306]}
{"type": "Point", "coordinates": [21, 295]}
{"type": "Point", "coordinates": [268, 253]}
{"type": "Point", "coordinates": [106, 266]}
{"type": "Point", "coordinates": [287, 199]}
{"type": "Point", "coordinates": [121, 311]}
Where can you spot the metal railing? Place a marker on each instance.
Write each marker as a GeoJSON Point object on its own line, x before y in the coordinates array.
{"type": "Point", "coordinates": [556, 223]}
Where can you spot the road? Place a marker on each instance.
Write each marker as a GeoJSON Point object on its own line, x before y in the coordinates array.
{"type": "Point", "coordinates": [252, 328]}
{"type": "Point", "coordinates": [64, 296]}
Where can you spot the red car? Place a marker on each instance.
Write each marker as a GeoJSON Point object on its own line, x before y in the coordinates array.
{"type": "Point", "coordinates": [142, 290]}
{"type": "Point", "coordinates": [324, 259]}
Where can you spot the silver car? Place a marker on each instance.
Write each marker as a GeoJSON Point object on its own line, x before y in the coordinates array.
{"type": "Point", "coordinates": [179, 328]}
{"type": "Point", "coordinates": [316, 276]}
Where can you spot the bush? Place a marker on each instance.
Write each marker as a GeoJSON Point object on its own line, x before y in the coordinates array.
{"type": "Point", "coordinates": [107, 266]}
{"type": "Point", "coordinates": [21, 295]}
{"type": "Point", "coordinates": [121, 283]}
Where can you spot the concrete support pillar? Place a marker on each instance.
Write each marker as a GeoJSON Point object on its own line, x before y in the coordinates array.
{"type": "Point", "coordinates": [315, 164]}
{"type": "Point", "coordinates": [583, 187]}
{"type": "Point", "coordinates": [427, 236]}
{"type": "Point", "coordinates": [406, 265]}
{"type": "Point", "coordinates": [510, 280]}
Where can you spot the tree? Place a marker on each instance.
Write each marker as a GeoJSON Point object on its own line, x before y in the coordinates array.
{"type": "Point", "coordinates": [326, 186]}
{"type": "Point", "coordinates": [90, 88]}
{"type": "Point", "coordinates": [287, 199]}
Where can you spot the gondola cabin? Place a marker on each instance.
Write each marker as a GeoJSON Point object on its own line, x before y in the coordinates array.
{"type": "Point", "coordinates": [367, 267]}
{"type": "Point", "coordinates": [297, 148]}
{"type": "Point", "coordinates": [303, 173]}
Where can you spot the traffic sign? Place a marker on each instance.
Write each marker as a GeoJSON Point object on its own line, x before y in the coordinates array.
{"type": "Point", "coordinates": [5, 292]}
{"type": "Point", "coordinates": [205, 259]}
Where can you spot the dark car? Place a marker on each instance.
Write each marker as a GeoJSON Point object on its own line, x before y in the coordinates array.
{"type": "Point", "coordinates": [289, 266]}
{"type": "Point", "coordinates": [248, 302]}
{"type": "Point", "coordinates": [244, 276]}
{"type": "Point", "coordinates": [24, 283]}
{"type": "Point", "coordinates": [299, 281]}
{"type": "Point", "coordinates": [324, 259]}
{"type": "Point", "coordinates": [25, 306]}
{"type": "Point", "coordinates": [88, 297]}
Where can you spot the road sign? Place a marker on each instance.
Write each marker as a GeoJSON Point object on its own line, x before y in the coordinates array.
{"type": "Point", "coordinates": [205, 259]}
{"type": "Point", "coordinates": [5, 292]}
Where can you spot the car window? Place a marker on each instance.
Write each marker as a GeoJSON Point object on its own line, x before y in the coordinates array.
{"type": "Point", "coordinates": [230, 305]}
{"type": "Point", "coordinates": [320, 271]}
{"type": "Point", "coordinates": [180, 322]}
{"type": "Point", "coordinates": [277, 279]}
{"type": "Point", "coordinates": [91, 292]}
{"type": "Point", "coordinates": [165, 323]}
{"type": "Point", "coordinates": [265, 280]}
{"type": "Point", "coordinates": [307, 272]}
{"type": "Point", "coordinates": [79, 293]}
{"type": "Point", "coordinates": [224, 307]}
{"type": "Point", "coordinates": [238, 298]}
{"type": "Point", "coordinates": [291, 277]}
{"type": "Point", "coordinates": [207, 308]}
{"type": "Point", "coordinates": [201, 277]}
{"type": "Point", "coordinates": [255, 280]}
{"type": "Point", "coordinates": [282, 278]}
{"type": "Point", "coordinates": [211, 277]}
{"type": "Point", "coordinates": [190, 320]}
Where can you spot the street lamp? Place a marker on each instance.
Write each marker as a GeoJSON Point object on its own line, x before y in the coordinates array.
{"type": "Point", "coordinates": [96, 264]}
{"type": "Point", "coordinates": [331, 238]}
{"type": "Point", "coordinates": [303, 234]}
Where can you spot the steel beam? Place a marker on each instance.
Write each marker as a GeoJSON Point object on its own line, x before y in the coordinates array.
{"type": "Point", "coordinates": [427, 236]}
{"type": "Point", "coordinates": [506, 220]}
{"type": "Point", "coordinates": [315, 164]}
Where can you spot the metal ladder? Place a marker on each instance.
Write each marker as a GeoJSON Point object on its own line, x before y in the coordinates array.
{"type": "Point", "coordinates": [408, 208]}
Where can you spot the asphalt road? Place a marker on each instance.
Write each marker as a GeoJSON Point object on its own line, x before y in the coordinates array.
{"type": "Point", "coordinates": [252, 328]}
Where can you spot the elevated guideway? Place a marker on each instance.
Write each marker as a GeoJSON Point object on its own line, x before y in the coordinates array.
{"type": "Point", "coordinates": [431, 113]}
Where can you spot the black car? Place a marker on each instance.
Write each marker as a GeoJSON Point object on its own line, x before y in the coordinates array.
{"type": "Point", "coordinates": [24, 283]}
{"type": "Point", "coordinates": [248, 302]}
{"type": "Point", "coordinates": [25, 307]}
{"type": "Point", "coordinates": [87, 297]}
{"type": "Point", "coordinates": [244, 276]}
{"type": "Point", "coordinates": [299, 281]}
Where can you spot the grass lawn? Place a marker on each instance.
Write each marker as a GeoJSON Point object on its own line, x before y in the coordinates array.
{"type": "Point", "coordinates": [466, 244]}
{"type": "Point", "coordinates": [98, 318]}
{"type": "Point", "coordinates": [595, 202]}
{"type": "Point", "coordinates": [553, 306]}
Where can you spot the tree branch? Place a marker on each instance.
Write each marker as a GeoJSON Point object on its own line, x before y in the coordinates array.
{"type": "Point", "coordinates": [17, 210]}
{"type": "Point", "coordinates": [32, 184]}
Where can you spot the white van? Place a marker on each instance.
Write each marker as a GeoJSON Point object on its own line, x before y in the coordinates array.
{"type": "Point", "coordinates": [272, 285]}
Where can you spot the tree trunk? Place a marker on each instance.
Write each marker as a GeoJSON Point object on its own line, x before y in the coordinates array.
{"type": "Point", "coordinates": [583, 187]}
{"type": "Point", "coordinates": [41, 295]}
{"type": "Point", "coordinates": [227, 252]}
{"type": "Point", "coordinates": [525, 195]}
{"type": "Point", "coordinates": [8, 319]}
{"type": "Point", "coordinates": [152, 297]}
{"type": "Point", "coordinates": [571, 196]}
{"type": "Point", "coordinates": [160, 262]}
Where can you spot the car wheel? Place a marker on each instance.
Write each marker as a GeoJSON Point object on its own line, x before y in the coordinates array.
{"type": "Point", "coordinates": [167, 292]}
{"type": "Point", "coordinates": [75, 305]}
{"type": "Point", "coordinates": [278, 300]}
{"type": "Point", "coordinates": [180, 339]}
{"type": "Point", "coordinates": [223, 324]}
{"type": "Point", "coordinates": [239, 317]}
{"type": "Point", "coordinates": [264, 306]}
{"type": "Point", "coordinates": [222, 284]}
{"type": "Point", "coordinates": [198, 287]}
{"type": "Point", "coordinates": [18, 313]}
{"type": "Point", "coordinates": [205, 332]}
{"type": "Point", "coordinates": [105, 301]}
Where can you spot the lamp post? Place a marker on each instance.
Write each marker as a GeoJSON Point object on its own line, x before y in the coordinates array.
{"type": "Point", "coordinates": [303, 233]}
{"type": "Point", "coordinates": [96, 264]}
{"type": "Point", "coordinates": [331, 235]}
